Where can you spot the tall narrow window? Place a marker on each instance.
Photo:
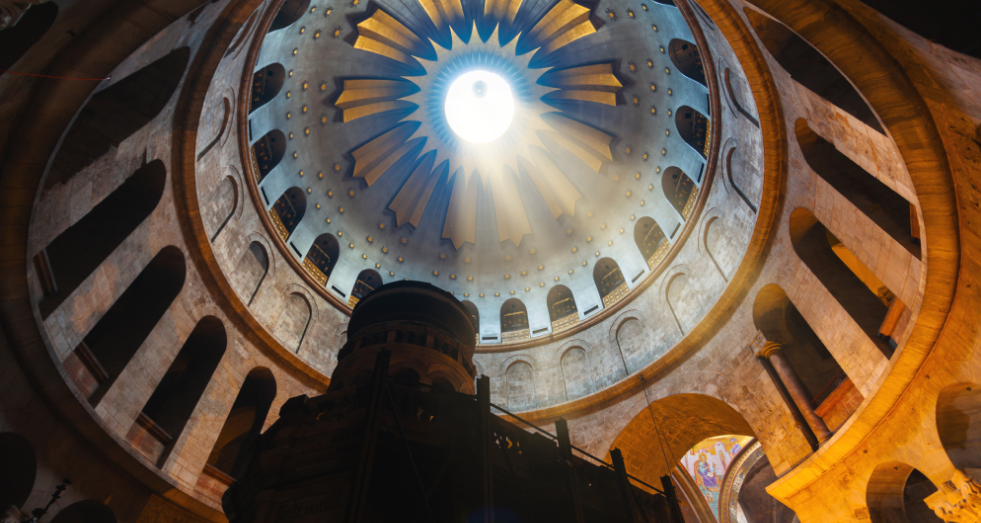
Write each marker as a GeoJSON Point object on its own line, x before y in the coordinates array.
{"type": "Point", "coordinates": [78, 251]}
{"type": "Point", "coordinates": [322, 257]}
{"type": "Point", "coordinates": [810, 68]}
{"type": "Point", "coordinates": [289, 13]}
{"type": "Point", "coordinates": [103, 354]}
{"type": "Point", "coordinates": [852, 284]}
{"type": "Point", "coordinates": [474, 316]}
{"type": "Point", "coordinates": [694, 128]}
{"type": "Point", "coordinates": [514, 321]}
{"type": "Point", "coordinates": [890, 211]}
{"type": "Point", "coordinates": [115, 113]}
{"type": "Point", "coordinates": [166, 413]}
{"type": "Point", "coordinates": [287, 212]}
{"type": "Point", "coordinates": [367, 281]}
{"type": "Point", "coordinates": [609, 281]}
{"type": "Point", "coordinates": [651, 241]}
{"type": "Point", "coordinates": [562, 309]}
{"type": "Point", "coordinates": [244, 423]}
{"type": "Point", "coordinates": [684, 55]}
{"type": "Point", "coordinates": [680, 191]}
{"type": "Point", "coordinates": [15, 41]}
{"type": "Point", "coordinates": [267, 152]}
{"type": "Point", "coordinates": [266, 84]}
{"type": "Point", "coordinates": [19, 469]}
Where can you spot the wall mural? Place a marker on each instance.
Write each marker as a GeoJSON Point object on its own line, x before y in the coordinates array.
{"type": "Point", "coordinates": [707, 463]}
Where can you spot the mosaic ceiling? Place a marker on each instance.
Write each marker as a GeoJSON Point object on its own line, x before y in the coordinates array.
{"type": "Point", "coordinates": [577, 200]}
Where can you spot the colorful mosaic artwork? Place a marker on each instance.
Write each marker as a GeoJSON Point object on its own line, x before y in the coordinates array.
{"type": "Point", "coordinates": [708, 461]}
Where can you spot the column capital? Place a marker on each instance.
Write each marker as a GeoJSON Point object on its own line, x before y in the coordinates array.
{"type": "Point", "coordinates": [769, 348]}
{"type": "Point", "coordinates": [958, 500]}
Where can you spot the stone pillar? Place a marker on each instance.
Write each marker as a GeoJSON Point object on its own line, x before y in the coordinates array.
{"type": "Point", "coordinates": [957, 500]}
{"type": "Point", "coordinates": [773, 352]}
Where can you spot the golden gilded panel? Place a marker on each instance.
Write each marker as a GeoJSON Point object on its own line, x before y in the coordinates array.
{"type": "Point", "coordinates": [461, 216]}
{"type": "Point", "coordinates": [443, 12]}
{"type": "Point", "coordinates": [374, 158]}
{"type": "Point", "coordinates": [615, 295]}
{"type": "Point", "coordinates": [708, 137]}
{"type": "Point", "coordinates": [412, 198]}
{"type": "Point", "coordinates": [564, 23]}
{"type": "Point", "coordinates": [384, 35]}
{"type": "Point", "coordinates": [659, 254]}
{"type": "Point", "coordinates": [352, 301]}
{"type": "Point", "coordinates": [591, 83]}
{"type": "Point", "coordinates": [690, 204]}
{"type": "Point", "coordinates": [315, 272]}
{"type": "Point", "coordinates": [566, 322]}
{"type": "Point", "coordinates": [515, 336]}
{"type": "Point", "coordinates": [278, 224]}
{"type": "Point", "coordinates": [361, 98]}
{"type": "Point", "coordinates": [502, 10]}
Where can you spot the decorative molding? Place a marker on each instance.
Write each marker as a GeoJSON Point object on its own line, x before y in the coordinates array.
{"type": "Point", "coordinates": [958, 500]}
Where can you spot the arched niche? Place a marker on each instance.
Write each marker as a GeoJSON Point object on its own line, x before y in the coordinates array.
{"type": "Point", "coordinates": [720, 245]}
{"type": "Point", "coordinates": [115, 113]}
{"type": "Point", "coordinates": [288, 211]}
{"type": "Point", "coordinates": [895, 494]}
{"type": "Point", "coordinates": [223, 204]}
{"type": "Point", "coordinates": [88, 511]}
{"type": "Point", "coordinates": [810, 68]}
{"type": "Point", "coordinates": [240, 432]}
{"type": "Point", "coordinates": [694, 128]}
{"type": "Point", "coordinates": [890, 211]}
{"type": "Point", "coordinates": [859, 292]}
{"type": "Point", "coordinates": [289, 13]}
{"type": "Point", "coordinates": [576, 373]}
{"type": "Point", "coordinates": [266, 84]}
{"type": "Point", "coordinates": [679, 299]}
{"type": "Point", "coordinates": [79, 250]}
{"type": "Point", "coordinates": [474, 316]}
{"type": "Point", "coordinates": [169, 408]}
{"type": "Point", "coordinates": [738, 94]}
{"type": "Point", "coordinates": [959, 426]}
{"type": "Point", "coordinates": [683, 420]}
{"type": "Point", "coordinates": [520, 381]}
{"type": "Point", "coordinates": [367, 281]}
{"type": "Point", "coordinates": [267, 152]}
{"type": "Point", "coordinates": [17, 40]}
{"type": "Point", "coordinates": [651, 241]}
{"type": "Point", "coordinates": [634, 343]}
{"type": "Point", "coordinates": [684, 55]}
{"type": "Point", "coordinates": [106, 350]}
{"type": "Point", "coordinates": [609, 281]}
{"type": "Point", "coordinates": [18, 470]}
{"type": "Point", "coordinates": [253, 267]}
{"type": "Point", "coordinates": [680, 191]}
{"type": "Point", "coordinates": [322, 257]}
{"type": "Point", "coordinates": [294, 320]}
{"type": "Point", "coordinates": [818, 370]}
{"type": "Point", "coordinates": [562, 311]}
{"type": "Point", "coordinates": [514, 321]}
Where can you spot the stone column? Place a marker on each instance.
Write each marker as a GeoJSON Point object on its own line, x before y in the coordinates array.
{"type": "Point", "coordinates": [774, 353]}
{"type": "Point", "coordinates": [957, 500]}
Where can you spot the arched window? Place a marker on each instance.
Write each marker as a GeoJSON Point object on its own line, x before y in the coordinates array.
{"type": "Point", "coordinates": [514, 321]}
{"type": "Point", "coordinates": [609, 281]}
{"type": "Point", "coordinates": [819, 373]}
{"type": "Point", "coordinates": [322, 257]}
{"type": "Point", "coordinates": [15, 41]}
{"type": "Point", "coordinates": [651, 241]}
{"type": "Point", "coordinates": [474, 316]}
{"type": "Point", "coordinates": [242, 427]}
{"type": "Point", "coordinates": [863, 296]}
{"type": "Point", "coordinates": [18, 471]}
{"type": "Point", "coordinates": [890, 211]}
{"type": "Point", "coordinates": [85, 512]}
{"type": "Point", "coordinates": [169, 408]}
{"type": "Point", "coordinates": [266, 84]}
{"type": "Point", "coordinates": [289, 13]}
{"type": "Point", "coordinates": [368, 280]}
{"type": "Point", "coordinates": [959, 424]}
{"type": "Point", "coordinates": [288, 210]}
{"type": "Point", "coordinates": [562, 311]}
{"type": "Point", "coordinates": [684, 55]}
{"type": "Point", "coordinates": [75, 253]}
{"type": "Point", "coordinates": [694, 128]}
{"type": "Point", "coordinates": [680, 191]}
{"type": "Point", "coordinates": [810, 68]}
{"type": "Point", "coordinates": [103, 354]}
{"type": "Point", "coordinates": [267, 152]}
{"type": "Point", "coordinates": [252, 269]}
{"type": "Point", "coordinates": [115, 113]}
